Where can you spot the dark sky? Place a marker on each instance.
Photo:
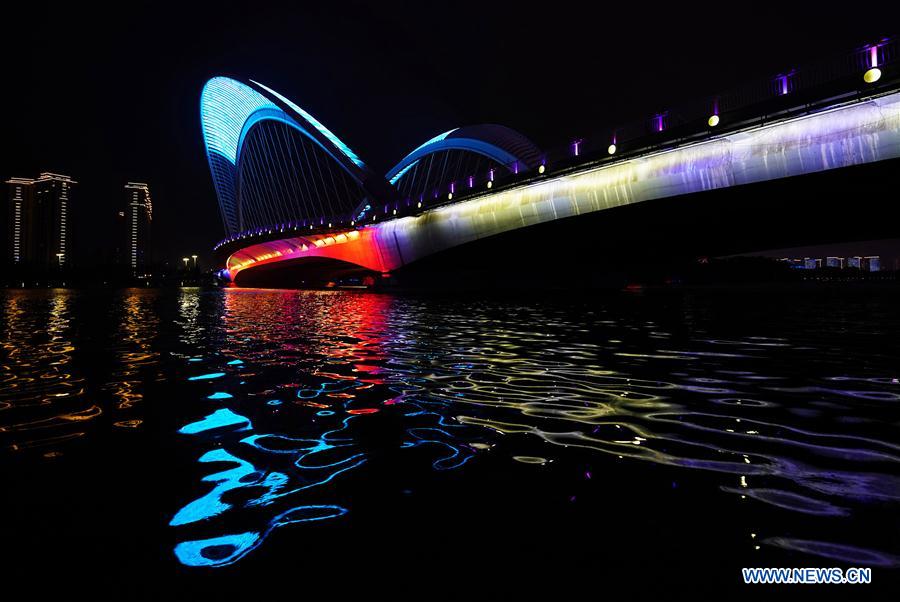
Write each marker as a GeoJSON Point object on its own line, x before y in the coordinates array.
{"type": "Point", "coordinates": [112, 95]}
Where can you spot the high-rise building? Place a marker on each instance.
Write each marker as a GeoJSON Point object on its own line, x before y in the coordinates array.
{"type": "Point", "coordinates": [136, 226]}
{"type": "Point", "coordinates": [39, 211]}
{"type": "Point", "coordinates": [20, 193]}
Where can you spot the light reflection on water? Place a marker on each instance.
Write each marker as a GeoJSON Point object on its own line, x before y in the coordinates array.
{"type": "Point", "coordinates": [137, 325]}
{"type": "Point", "coordinates": [631, 390]}
{"type": "Point", "coordinates": [285, 397]}
{"type": "Point", "coordinates": [329, 356]}
{"type": "Point", "coordinates": [42, 401]}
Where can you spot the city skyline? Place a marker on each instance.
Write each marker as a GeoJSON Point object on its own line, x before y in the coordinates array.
{"type": "Point", "coordinates": [42, 216]}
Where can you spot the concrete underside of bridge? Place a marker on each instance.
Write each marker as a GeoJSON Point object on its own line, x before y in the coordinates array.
{"type": "Point", "coordinates": [643, 242]}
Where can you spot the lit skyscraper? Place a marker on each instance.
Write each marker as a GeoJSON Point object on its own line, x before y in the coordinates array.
{"type": "Point", "coordinates": [40, 235]}
{"type": "Point", "coordinates": [20, 193]}
{"type": "Point", "coordinates": [137, 219]}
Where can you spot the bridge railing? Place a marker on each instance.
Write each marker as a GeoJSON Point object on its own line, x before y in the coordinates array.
{"type": "Point", "coordinates": [866, 71]}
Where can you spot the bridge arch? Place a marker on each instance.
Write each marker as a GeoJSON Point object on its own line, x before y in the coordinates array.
{"type": "Point", "coordinates": [231, 110]}
{"type": "Point", "coordinates": [459, 153]}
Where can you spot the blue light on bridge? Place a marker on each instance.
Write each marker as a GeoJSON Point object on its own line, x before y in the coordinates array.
{"type": "Point", "coordinates": [394, 177]}
{"type": "Point", "coordinates": [315, 122]}
{"type": "Point", "coordinates": [402, 172]}
{"type": "Point", "coordinates": [225, 105]}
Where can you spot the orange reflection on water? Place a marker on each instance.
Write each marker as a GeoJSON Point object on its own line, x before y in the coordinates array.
{"type": "Point", "coordinates": [138, 326]}
{"type": "Point", "coordinates": [41, 397]}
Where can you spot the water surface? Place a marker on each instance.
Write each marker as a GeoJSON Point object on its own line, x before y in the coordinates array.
{"type": "Point", "coordinates": [185, 440]}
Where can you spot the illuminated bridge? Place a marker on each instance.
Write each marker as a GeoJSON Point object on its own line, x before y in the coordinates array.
{"type": "Point", "coordinates": [298, 204]}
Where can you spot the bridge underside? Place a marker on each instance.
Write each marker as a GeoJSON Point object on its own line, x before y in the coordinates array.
{"type": "Point", "coordinates": [306, 272]}
{"type": "Point", "coordinates": [647, 241]}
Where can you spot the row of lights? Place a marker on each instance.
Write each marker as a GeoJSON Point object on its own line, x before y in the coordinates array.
{"type": "Point", "coordinates": [319, 243]}
{"type": "Point", "coordinates": [871, 75]}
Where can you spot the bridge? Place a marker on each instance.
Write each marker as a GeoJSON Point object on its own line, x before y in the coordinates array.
{"type": "Point", "coordinates": [293, 195]}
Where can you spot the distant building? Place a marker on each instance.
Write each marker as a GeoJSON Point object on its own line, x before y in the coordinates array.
{"type": "Point", "coordinates": [855, 262]}
{"type": "Point", "coordinates": [834, 262]}
{"type": "Point", "coordinates": [872, 263]}
{"type": "Point", "coordinates": [135, 227]}
{"type": "Point", "coordinates": [39, 229]}
{"type": "Point", "coordinates": [811, 263]}
{"type": "Point", "coordinates": [794, 264]}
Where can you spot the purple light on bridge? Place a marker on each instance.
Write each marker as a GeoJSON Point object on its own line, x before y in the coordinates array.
{"type": "Point", "coordinates": [575, 147]}
{"type": "Point", "coordinates": [713, 120]}
{"type": "Point", "coordinates": [659, 122]}
{"type": "Point", "coordinates": [471, 181]}
{"type": "Point", "coordinates": [873, 73]}
{"type": "Point", "coordinates": [784, 83]}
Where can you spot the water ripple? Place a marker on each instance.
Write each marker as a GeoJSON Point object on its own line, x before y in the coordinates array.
{"type": "Point", "coordinates": [288, 402]}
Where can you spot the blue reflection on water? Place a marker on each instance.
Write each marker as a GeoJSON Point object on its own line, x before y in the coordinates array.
{"type": "Point", "coordinates": [211, 504]}
{"type": "Point", "coordinates": [314, 461]}
{"type": "Point", "coordinates": [210, 376]}
{"type": "Point", "coordinates": [450, 381]}
{"type": "Point", "coordinates": [219, 419]}
{"type": "Point", "coordinates": [227, 549]}
{"type": "Point", "coordinates": [216, 551]}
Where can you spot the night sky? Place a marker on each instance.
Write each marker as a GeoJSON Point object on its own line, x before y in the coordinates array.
{"type": "Point", "coordinates": [113, 95]}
